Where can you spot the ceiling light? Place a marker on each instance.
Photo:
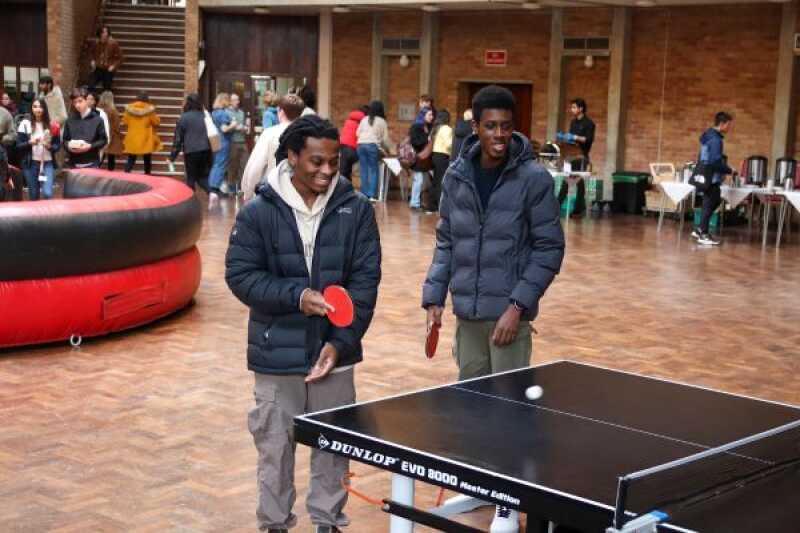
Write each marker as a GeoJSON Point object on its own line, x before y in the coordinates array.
{"type": "Point", "coordinates": [430, 8]}
{"type": "Point", "coordinates": [645, 3]}
{"type": "Point", "coordinates": [588, 62]}
{"type": "Point", "coordinates": [531, 5]}
{"type": "Point", "coordinates": [341, 9]}
{"type": "Point", "coordinates": [261, 11]}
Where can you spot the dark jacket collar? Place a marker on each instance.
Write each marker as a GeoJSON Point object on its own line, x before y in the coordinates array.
{"type": "Point", "coordinates": [519, 152]}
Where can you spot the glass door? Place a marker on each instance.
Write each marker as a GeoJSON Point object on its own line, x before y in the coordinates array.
{"type": "Point", "coordinates": [251, 88]}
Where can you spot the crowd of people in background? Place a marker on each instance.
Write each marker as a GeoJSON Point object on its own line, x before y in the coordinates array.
{"type": "Point", "coordinates": [93, 132]}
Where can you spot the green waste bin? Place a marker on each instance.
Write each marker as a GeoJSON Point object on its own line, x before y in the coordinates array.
{"type": "Point", "coordinates": [629, 188]}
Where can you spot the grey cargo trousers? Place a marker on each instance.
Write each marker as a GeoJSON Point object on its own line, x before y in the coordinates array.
{"type": "Point", "coordinates": [278, 400]}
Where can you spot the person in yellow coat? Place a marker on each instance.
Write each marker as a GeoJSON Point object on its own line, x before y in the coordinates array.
{"type": "Point", "coordinates": [142, 138]}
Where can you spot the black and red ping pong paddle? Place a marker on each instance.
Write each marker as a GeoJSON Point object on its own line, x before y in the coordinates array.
{"type": "Point", "coordinates": [432, 340]}
{"type": "Point", "coordinates": [337, 297]}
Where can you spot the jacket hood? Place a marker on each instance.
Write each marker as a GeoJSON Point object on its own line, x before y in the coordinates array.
{"type": "Point", "coordinates": [276, 187]}
{"type": "Point", "coordinates": [708, 134]}
{"type": "Point", "coordinates": [356, 115]}
{"type": "Point", "coordinates": [140, 109]}
{"type": "Point", "coordinates": [519, 151]}
{"type": "Point", "coordinates": [463, 129]}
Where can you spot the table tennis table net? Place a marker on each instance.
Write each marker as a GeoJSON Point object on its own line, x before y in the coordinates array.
{"type": "Point", "coordinates": [698, 480]}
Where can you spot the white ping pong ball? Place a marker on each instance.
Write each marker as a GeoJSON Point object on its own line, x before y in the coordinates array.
{"type": "Point", "coordinates": [534, 393]}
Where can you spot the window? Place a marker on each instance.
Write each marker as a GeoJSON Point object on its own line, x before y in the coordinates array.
{"type": "Point", "coordinates": [22, 84]}
{"type": "Point", "coordinates": [10, 81]}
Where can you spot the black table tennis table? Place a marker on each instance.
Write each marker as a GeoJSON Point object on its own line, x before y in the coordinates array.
{"type": "Point", "coordinates": [597, 452]}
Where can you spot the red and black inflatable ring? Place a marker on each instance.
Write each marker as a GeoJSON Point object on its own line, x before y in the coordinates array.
{"type": "Point", "coordinates": [117, 252]}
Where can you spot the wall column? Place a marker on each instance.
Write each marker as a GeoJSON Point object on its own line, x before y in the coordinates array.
{"type": "Point", "coordinates": [555, 91]}
{"type": "Point", "coordinates": [376, 71]}
{"type": "Point", "coordinates": [782, 124]}
{"type": "Point", "coordinates": [620, 44]}
{"type": "Point", "coordinates": [325, 63]}
{"type": "Point", "coordinates": [429, 53]}
{"type": "Point", "coordinates": [191, 46]}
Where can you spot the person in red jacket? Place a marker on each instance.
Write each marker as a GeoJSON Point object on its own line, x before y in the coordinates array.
{"type": "Point", "coordinates": [348, 141]}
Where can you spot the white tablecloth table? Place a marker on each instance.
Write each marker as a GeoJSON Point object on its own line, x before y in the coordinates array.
{"type": "Point", "coordinates": [391, 167]}
{"type": "Point", "coordinates": [677, 191]}
{"type": "Point", "coordinates": [733, 196]}
{"type": "Point", "coordinates": [791, 198]}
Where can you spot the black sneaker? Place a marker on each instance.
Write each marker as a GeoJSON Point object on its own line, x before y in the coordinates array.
{"type": "Point", "coordinates": [325, 529]}
{"type": "Point", "coordinates": [706, 239]}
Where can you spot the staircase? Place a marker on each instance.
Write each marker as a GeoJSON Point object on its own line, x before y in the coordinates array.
{"type": "Point", "coordinates": [152, 41]}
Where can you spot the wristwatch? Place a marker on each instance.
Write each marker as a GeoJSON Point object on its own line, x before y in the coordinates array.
{"type": "Point", "coordinates": [519, 307]}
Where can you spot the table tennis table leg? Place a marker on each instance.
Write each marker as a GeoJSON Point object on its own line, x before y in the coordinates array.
{"type": "Point", "coordinates": [402, 492]}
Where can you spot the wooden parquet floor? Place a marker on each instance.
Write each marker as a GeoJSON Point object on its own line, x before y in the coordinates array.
{"type": "Point", "coordinates": [146, 431]}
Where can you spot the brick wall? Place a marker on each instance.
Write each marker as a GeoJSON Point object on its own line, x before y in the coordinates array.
{"type": "Point", "coordinates": [69, 22]}
{"type": "Point", "coordinates": [463, 39]}
{"type": "Point", "coordinates": [192, 36]}
{"type": "Point", "coordinates": [402, 87]}
{"type": "Point", "coordinates": [402, 84]}
{"type": "Point", "coordinates": [352, 54]}
{"type": "Point", "coordinates": [795, 141]}
{"type": "Point", "coordinates": [706, 72]}
{"type": "Point", "coordinates": [591, 84]}
{"type": "Point", "coordinates": [592, 22]}
{"type": "Point", "coordinates": [733, 69]}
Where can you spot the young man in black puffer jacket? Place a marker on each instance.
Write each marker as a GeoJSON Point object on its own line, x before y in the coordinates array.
{"type": "Point", "coordinates": [499, 244]}
{"type": "Point", "coordinates": [305, 230]}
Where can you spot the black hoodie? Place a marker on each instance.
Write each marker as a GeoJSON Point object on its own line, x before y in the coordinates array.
{"type": "Point", "coordinates": [90, 129]}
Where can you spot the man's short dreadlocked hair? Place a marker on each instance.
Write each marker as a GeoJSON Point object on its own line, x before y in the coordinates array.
{"type": "Point", "coordinates": [294, 138]}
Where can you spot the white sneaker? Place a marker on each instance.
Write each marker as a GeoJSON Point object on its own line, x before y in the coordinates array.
{"type": "Point", "coordinates": [695, 234]}
{"type": "Point", "coordinates": [213, 200]}
{"type": "Point", "coordinates": [707, 240]}
{"type": "Point", "coordinates": [505, 520]}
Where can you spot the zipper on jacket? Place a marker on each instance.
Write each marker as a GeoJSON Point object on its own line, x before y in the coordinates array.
{"type": "Point", "coordinates": [482, 221]}
{"type": "Point", "coordinates": [478, 268]}
{"type": "Point", "coordinates": [315, 275]}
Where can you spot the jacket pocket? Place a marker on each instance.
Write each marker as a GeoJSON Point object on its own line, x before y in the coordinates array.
{"type": "Point", "coordinates": [283, 344]}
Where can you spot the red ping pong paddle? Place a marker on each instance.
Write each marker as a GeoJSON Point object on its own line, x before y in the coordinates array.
{"type": "Point", "coordinates": [339, 299]}
{"type": "Point", "coordinates": [432, 341]}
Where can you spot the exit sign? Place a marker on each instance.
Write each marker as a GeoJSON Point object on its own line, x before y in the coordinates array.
{"type": "Point", "coordinates": [495, 58]}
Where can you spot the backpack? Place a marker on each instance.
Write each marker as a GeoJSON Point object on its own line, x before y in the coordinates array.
{"type": "Point", "coordinates": [406, 154]}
